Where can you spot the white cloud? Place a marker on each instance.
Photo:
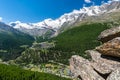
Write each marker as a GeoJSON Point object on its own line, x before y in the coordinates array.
{"type": "Point", "coordinates": [87, 1]}
{"type": "Point", "coordinates": [0, 18]}
{"type": "Point", "coordinates": [112, 1]}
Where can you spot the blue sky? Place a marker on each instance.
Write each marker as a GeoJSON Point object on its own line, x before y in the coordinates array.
{"type": "Point", "coordinates": [38, 10]}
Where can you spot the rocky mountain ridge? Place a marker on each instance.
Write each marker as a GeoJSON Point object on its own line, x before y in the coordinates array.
{"type": "Point", "coordinates": [67, 19]}
{"type": "Point", "coordinates": [104, 63]}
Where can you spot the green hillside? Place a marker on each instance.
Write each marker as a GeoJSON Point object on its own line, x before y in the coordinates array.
{"type": "Point", "coordinates": [77, 40]}
{"type": "Point", "coordinates": [11, 41]}
{"type": "Point", "coordinates": [16, 73]}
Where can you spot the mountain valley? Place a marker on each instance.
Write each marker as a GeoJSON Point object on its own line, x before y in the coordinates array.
{"type": "Point", "coordinates": [46, 50]}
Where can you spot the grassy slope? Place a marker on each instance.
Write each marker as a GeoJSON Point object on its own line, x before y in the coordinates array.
{"type": "Point", "coordinates": [11, 40]}
{"type": "Point", "coordinates": [75, 41]}
{"type": "Point", "coordinates": [16, 73]}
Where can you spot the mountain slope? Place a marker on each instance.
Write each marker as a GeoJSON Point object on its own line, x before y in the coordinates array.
{"type": "Point", "coordinates": [77, 40]}
{"type": "Point", "coordinates": [11, 40]}
{"type": "Point", "coordinates": [111, 18]}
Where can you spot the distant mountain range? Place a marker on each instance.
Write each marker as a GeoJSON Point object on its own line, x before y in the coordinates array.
{"type": "Point", "coordinates": [68, 19]}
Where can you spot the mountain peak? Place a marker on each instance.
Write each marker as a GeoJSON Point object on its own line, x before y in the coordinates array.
{"type": "Point", "coordinates": [69, 18]}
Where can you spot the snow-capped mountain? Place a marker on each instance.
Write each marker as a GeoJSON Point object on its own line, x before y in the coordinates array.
{"type": "Point", "coordinates": [66, 19]}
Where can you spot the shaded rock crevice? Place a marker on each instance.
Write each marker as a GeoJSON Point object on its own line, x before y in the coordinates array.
{"type": "Point", "coordinates": [103, 75]}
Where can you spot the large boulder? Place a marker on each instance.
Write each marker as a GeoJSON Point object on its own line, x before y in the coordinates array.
{"type": "Point", "coordinates": [115, 75]}
{"type": "Point", "coordinates": [109, 34]}
{"type": "Point", "coordinates": [111, 48]}
{"type": "Point", "coordinates": [82, 68]}
{"type": "Point", "coordinates": [102, 64]}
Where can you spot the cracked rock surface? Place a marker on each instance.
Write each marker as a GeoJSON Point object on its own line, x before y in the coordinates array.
{"type": "Point", "coordinates": [105, 59]}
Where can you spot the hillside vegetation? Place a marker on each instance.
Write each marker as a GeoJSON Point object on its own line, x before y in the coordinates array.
{"type": "Point", "coordinates": [36, 56]}
{"type": "Point", "coordinates": [11, 42]}
{"type": "Point", "coordinates": [77, 40]}
{"type": "Point", "coordinates": [16, 73]}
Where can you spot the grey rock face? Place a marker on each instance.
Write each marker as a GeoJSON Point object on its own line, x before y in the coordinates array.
{"type": "Point", "coordinates": [109, 34]}
{"type": "Point", "coordinates": [104, 65]}
{"type": "Point", "coordinates": [115, 75]}
{"type": "Point", "coordinates": [82, 68]}
{"type": "Point", "coordinates": [36, 32]}
{"type": "Point", "coordinates": [114, 5]}
{"type": "Point", "coordinates": [98, 68]}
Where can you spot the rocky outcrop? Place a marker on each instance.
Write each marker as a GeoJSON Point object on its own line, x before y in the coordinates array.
{"type": "Point", "coordinates": [105, 59]}
{"type": "Point", "coordinates": [98, 68]}
{"type": "Point", "coordinates": [109, 34]}
{"type": "Point", "coordinates": [102, 64]}
{"type": "Point", "coordinates": [111, 48]}
{"type": "Point", "coordinates": [82, 68]}
{"type": "Point", "coordinates": [115, 75]}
